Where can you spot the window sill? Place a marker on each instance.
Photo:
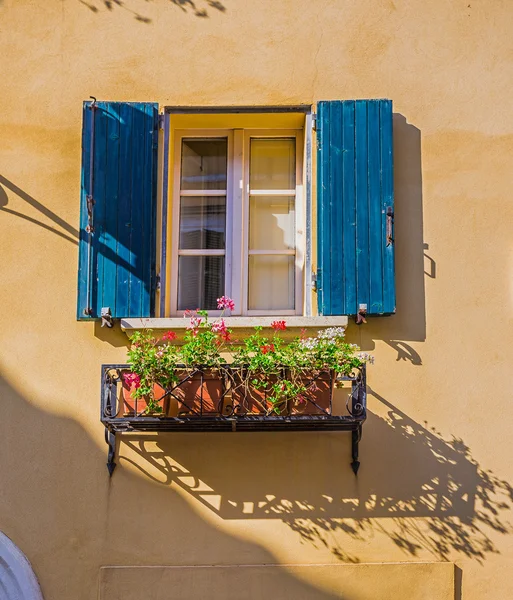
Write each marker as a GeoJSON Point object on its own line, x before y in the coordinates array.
{"type": "Point", "coordinates": [241, 324]}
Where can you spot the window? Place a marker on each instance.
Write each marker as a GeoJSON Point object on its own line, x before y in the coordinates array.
{"type": "Point", "coordinates": [234, 210]}
{"type": "Point", "coordinates": [237, 220]}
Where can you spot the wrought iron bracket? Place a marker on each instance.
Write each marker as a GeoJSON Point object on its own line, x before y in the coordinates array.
{"type": "Point", "coordinates": [356, 436]}
{"type": "Point", "coordinates": [115, 421]}
{"type": "Point", "coordinates": [110, 438]}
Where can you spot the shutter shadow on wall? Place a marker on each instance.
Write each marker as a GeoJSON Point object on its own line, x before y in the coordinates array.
{"type": "Point", "coordinates": [355, 207]}
{"type": "Point", "coordinates": [117, 257]}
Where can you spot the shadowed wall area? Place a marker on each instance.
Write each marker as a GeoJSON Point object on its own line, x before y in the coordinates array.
{"type": "Point", "coordinates": [69, 530]}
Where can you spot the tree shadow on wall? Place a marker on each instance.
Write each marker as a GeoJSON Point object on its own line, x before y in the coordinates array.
{"type": "Point", "coordinates": [198, 8]}
{"type": "Point", "coordinates": [427, 494]}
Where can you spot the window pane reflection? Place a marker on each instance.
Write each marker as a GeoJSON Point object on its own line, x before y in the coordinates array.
{"type": "Point", "coordinates": [272, 164]}
{"type": "Point", "coordinates": [271, 282]}
{"type": "Point", "coordinates": [204, 164]}
{"type": "Point", "coordinates": [272, 223]}
{"type": "Point", "coordinates": [202, 222]}
{"type": "Point", "coordinates": [200, 282]}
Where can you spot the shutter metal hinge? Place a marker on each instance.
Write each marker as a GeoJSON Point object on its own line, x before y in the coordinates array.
{"type": "Point", "coordinates": [314, 281]}
{"type": "Point", "coordinates": [314, 121]}
{"type": "Point", "coordinates": [157, 282]}
{"type": "Point", "coordinates": [161, 121]}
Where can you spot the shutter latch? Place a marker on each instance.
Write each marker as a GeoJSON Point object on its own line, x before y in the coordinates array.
{"type": "Point", "coordinates": [390, 220]}
{"type": "Point", "coordinates": [106, 316]}
{"type": "Point", "coordinates": [314, 121]}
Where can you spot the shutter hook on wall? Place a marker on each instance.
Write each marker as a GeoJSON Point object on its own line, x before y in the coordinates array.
{"type": "Point", "coordinates": [361, 314]}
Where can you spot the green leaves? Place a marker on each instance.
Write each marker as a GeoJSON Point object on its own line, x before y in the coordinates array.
{"type": "Point", "coordinates": [281, 369]}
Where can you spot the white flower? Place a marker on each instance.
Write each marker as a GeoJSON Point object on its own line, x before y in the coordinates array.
{"type": "Point", "coordinates": [332, 333]}
{"type": "Point", "coordinates": [365, 357]}
{"type": "Point", "coordinates": [309, 343]}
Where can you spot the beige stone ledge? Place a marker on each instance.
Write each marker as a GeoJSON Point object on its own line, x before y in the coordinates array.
{"type": "Point", "coordinates": [383, 581]}
{"type": "Point", "coordinates": [242, 325]}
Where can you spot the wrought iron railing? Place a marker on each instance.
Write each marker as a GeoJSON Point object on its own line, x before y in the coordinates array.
{"type": "Point", "coordinates": [226, 399]}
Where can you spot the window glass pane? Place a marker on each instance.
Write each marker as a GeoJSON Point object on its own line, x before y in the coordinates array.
{"type": "Point", "coordinates": [271, 223]}
{"type": "Point", "coordinates": [202, 222]}
{"type": "Point", "coordinates": [271, 282]}
{"type": "Point", "coordinates": [272, 164]}
{"type": "Point", "coordinates": [200, 281]}
{"type": "Point", "coordinates": [204, 164]}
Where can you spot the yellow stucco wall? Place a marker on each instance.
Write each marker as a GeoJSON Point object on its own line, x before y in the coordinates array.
{"type": "Point", "coordinates": [435, 481]}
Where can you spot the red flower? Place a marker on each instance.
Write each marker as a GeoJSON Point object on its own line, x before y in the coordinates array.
{"type": "Point", "coordinates": [266, 348]}
{"type": "Point", "coordinates": [169, 335]}
{"type": "Point", "coordinates": [279, 325]}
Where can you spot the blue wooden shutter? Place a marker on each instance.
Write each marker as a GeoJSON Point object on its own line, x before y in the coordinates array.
{"type": "Point", "coordinates": [117, 257]}
{"type": "Point", "coordinates": [355, 207]}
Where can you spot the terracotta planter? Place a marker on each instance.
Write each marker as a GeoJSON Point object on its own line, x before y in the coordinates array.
{"type": "Point", "coordinates": [199, 392]}
{"type": "Point", "coordinates": [319, 391]}
{"type": "Point", "coordinates": [250, 398]}
{"type": "Point", "coordinates": [137, 406]}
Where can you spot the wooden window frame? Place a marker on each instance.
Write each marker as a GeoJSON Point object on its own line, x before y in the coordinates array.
{"type": "Point", "coordinates": [237, 212]}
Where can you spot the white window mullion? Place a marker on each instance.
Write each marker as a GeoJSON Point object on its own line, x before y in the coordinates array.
{"type": "Point", "coordinates": [235, 219]}
{"type": "Point", "coordinates": [245, 223]}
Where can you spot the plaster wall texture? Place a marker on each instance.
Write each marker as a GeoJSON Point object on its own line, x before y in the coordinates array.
{"type": "Point", "coordinates": [436, 474]}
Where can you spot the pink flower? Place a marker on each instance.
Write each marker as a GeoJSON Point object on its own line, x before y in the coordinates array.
{"type": "Point", "coordinates": [169, 335]}
{"type": "Point", "coordinates": [225, 302]}
{"type": "Point", "coordinates": [194, 323]}
{"type": "Point", "coordinates": [219, 326]}
{"type": "Point", "coordinates": [279, 325]}
{"type": "Point", "coordinates": [132, 380]}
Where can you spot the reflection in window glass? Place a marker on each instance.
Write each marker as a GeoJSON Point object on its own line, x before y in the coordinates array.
{"type": "Point", "coordinates": [204, 163]}
{"type": "Point", "coordinates": [272, 164]}
{"type": "Point", "coordinates": [272, 223]}
{"type": "Point", "coordinates": [202, 222]}
{"type": "Point", "coordinates": [200, 282]}
{"type": "Point", "coordinates": [271, 282]}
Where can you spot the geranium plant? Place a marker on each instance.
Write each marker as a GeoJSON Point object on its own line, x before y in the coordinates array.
{"type": "Point", "coordinates": [275, 373]}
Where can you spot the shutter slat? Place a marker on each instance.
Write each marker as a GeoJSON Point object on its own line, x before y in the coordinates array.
{"type": "Point", "coordinates": [387, 194]}
{"type": "Point", "coordinates": [375, 219]}
{"type": "Point", "coordinates": [101, 152]}
{"type": "Point", "coordinates": [123, 250]}
{"type": "Point", "coordinates": [324, 282]}
{"type": "Point", "coordinates": [83, 300]}
{"type": "Point", "coordinates": [349, 208]}
{"type": "Point", "coordinates": [136, 241]}
{"type": "Point", "coordinates": [362, 207]}
{"type": "Point", "coordinates": [335, 215]}
{"type": "Point", "coordinates": [110, 234]}
{"type": "Point", "coordinates": [125, 202]}
{"type": "Point", "coordinates": [355, 187]}
{"type": "Point", "coordinates": [148, 210]}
